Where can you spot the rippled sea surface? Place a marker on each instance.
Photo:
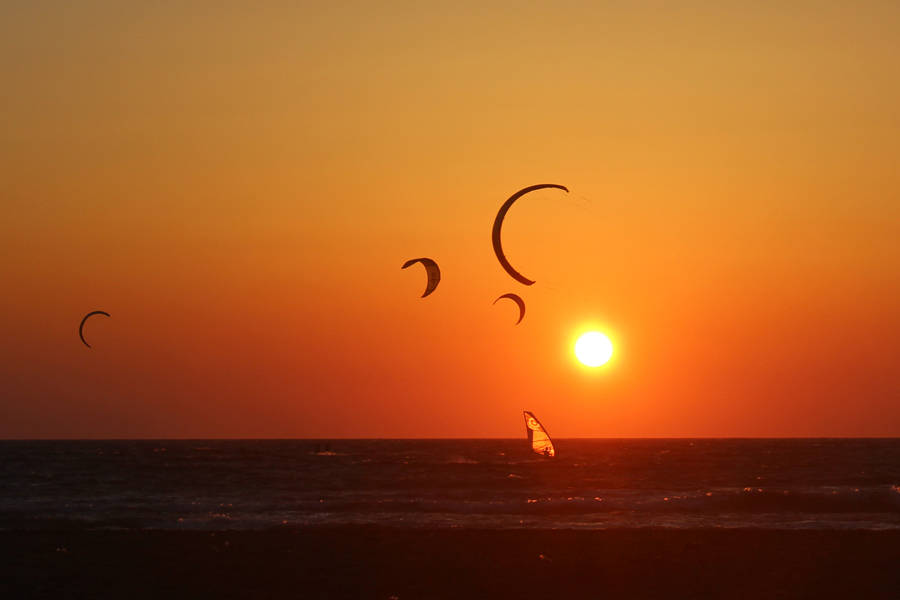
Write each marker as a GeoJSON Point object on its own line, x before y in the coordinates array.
{"type": "Point", "coordinates": [592, 484]}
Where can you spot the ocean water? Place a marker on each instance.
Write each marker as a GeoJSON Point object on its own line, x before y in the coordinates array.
{"type": "Point", "coordinates": [592, 484]}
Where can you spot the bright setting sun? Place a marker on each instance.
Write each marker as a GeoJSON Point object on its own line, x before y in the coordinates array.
{"type": "Point", "coordinates": [593, 349]}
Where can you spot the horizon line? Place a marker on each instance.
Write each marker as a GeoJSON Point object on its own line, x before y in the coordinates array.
{"type": "Point", "coordinates": [603, 437]}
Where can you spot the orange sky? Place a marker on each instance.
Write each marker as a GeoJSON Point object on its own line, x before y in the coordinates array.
{"type": "Point", "coordinates": [239, 186]}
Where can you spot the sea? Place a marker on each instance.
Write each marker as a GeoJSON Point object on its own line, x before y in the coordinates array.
{"type": "Point", "coordinates": [834, 484]}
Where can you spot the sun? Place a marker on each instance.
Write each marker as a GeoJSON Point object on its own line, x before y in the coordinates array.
{"type": "Point", "coordinates": [593, 349]}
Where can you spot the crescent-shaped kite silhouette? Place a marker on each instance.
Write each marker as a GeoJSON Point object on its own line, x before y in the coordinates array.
{"type": "Point", "coordinates": [498, 223]}
{"type": "Point", "coordinates": [86, 317]}
{"type": "Point", "coordinates": [431, 268]}
{"type": "Point", "coordinates": [518, 300]}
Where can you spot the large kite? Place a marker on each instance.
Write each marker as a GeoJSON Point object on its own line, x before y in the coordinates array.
{"type": "Point", "coordinates": [498, 223]}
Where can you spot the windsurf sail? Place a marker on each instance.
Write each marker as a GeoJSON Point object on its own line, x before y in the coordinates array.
{"type": "Point", "coordinates": [537, 436]}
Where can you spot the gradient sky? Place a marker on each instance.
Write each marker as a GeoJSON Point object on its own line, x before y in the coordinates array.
{"type": "Point", "coordinates": [238, 186]}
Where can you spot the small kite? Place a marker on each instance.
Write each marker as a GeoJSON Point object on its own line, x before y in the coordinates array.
{"type": "Point", "coordinates": [86, 317]}
{"type": "Point", "coordinates": [431, 268]}
{"type": "Point", "coordinates": [518, 300]}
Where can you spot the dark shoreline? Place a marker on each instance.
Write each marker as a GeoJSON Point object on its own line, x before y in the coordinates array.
{"type": "Point", "coordinates": [377, 562]}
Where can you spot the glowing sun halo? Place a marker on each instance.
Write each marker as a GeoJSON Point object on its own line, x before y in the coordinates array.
{"type": "Point", "coordinates": [593, 349]}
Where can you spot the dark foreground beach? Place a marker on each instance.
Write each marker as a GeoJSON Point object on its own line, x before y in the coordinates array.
{"type": "Point", "coordinates": [364, 562]}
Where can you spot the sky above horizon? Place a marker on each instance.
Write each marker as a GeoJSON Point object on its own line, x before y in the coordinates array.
{"type": "Point", "coordinates": [238, 186]}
